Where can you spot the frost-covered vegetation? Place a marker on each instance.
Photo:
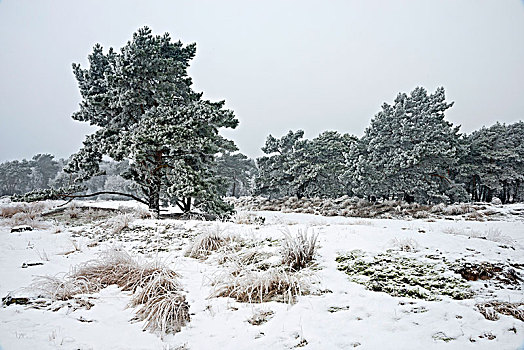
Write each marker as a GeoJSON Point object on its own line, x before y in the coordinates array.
{"type": "Point", "coordinates": [93, 267]}
{"type": "Point", "coordinates": [409, 152]}
{"type": "Point", "coordinates": [403, 276]}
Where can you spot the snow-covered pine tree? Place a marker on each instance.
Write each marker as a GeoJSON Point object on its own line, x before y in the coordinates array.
{"type": "Point", "coordinates": [147, 113]}
{"type": "Point", "coordinates": [494, 163]}
{"type": "Point", "coordinates": [44, 169]}
{"type": "Point", "coordinates": [325, 157]}
{"type": "Point", "coordinates": [275, 174]}
{"type": "Point", "coordinates": [238, 172]}
{"type": "Point", "coordinates": [304, 168]}
{"type": "Point", "coordinates": [408, 151]}
{"type": "Point", "coordinates": [15, 177]}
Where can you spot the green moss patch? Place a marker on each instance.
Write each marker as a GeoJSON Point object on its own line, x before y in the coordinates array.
{"type": "Point", "coordinates": [403, 276]}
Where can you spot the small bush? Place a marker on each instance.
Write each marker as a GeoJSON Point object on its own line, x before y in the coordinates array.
{"type": "Point", "coordinates": [298, 251]}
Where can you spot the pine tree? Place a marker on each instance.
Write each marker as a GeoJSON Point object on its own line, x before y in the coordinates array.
{"type": "Point", "coordinates": [277, 168]}
{"type": "Point", "coordinates": [304, 168]}
{"type": "Point", "coordinates": [44, 169]}
{"type": "Point", "coordinates": [494, 163]}
{"type": "Point", "coordinates": [409, 151]}
{"type": "Point", "coordinates": [147, 113]}
{"type": "Point", "coordinates": [15, 177]}
{"type": "Point", "coordinates": [238, 172]}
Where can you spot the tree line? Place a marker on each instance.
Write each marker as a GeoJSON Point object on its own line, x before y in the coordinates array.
{"type": "Point", "coordinates": [408, 152]}
{"type": "Point", "coordinates": [158, 142]}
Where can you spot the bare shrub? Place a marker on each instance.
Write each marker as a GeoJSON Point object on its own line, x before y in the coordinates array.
{"type": "Point", "coordinates": [491, 309]}
{"type": "Point", "coordinates": [298, 251]}
{"type": "Point", "coordinates": [166, 312]}
{"type": "Point", "coordinates": [206, 243]}
{"type": "Point", "coordinates": [405, 244]}
{"type": "Point", "coordinates": [245, 285]}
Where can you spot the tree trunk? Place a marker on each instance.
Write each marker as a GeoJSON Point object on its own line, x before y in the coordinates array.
{"type": "Point", "coordinates": [409, 198]}
{"type": "Point", "coordinates": [155, 185]}
{"type": "Point", "coordinates": [234, 187]}
{"type": "Point", "coordinates": [187, 205]}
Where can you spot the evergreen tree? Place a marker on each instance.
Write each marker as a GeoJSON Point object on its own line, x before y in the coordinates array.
{"type": "Point", "coordinates": [276, 171]}
{"type": "Point", "coordinates": [409, 151]}
{"type": "Point", "coordinates": [238, 172]}
{"type": "Point", "coordinates": [494, 163]}
{"type": "Point", "coordinates": [304, 168]}
{"type": "Point", "coordinates": [147, 113]}
{"type": "Point", "coordinates": [15, 177]}
{"type": "Point", "coordinates": [44, 169]}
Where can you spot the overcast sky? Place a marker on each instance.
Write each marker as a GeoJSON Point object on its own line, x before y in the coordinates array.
{"type": "Point", "coordinates": [280, 65]}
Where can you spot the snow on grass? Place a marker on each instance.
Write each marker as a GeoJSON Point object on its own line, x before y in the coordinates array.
{"type": "Point", "coordinates": [336, 314]}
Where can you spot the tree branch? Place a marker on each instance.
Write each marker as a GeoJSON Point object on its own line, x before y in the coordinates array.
{"type": "Point", "coordinates": [104, 192]}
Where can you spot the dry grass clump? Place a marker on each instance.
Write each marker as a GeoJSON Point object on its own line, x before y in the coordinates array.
{"type": "Point", "coordinates": [206, 243]}
{"type": "Point", "coordinates": [24, 214]}
{"type": "Point", "coordinates": [298, 251]}
{"type": "Point", "coordinates": [491, 309]}
{"type": "Point", "coordinates": [118, 267]}
{"type": "Point", "coordinates": [10, 210]}
{"type": "Point", "coordinates": [245, 285]}
{"type": "Point", "coordinates": [163, 307]}
{"type": "Point", "coordinates": [260, 316]}
{"type": "Point", "coordinates": [167, 312]}
{"type": "Point", "coordinates": [143, 213]}
{"type": "Point", "coordinates": [63, 288]}
{"type": "Point", "coordinates": [160, 282]}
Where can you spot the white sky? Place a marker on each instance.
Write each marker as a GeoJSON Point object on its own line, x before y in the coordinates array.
{"type": "Point", "coordinates": [280, 65]}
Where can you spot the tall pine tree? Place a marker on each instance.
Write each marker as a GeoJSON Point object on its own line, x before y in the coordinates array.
{"type": "Point", "coordinates": [147, 113]}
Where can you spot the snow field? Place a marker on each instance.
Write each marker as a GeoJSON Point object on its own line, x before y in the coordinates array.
{"type": "Point", "coordinates": [338, 314]}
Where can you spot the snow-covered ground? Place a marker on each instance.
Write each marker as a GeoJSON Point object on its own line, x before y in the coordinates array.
{"type": "Point", "coordinates": [340, 314]}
